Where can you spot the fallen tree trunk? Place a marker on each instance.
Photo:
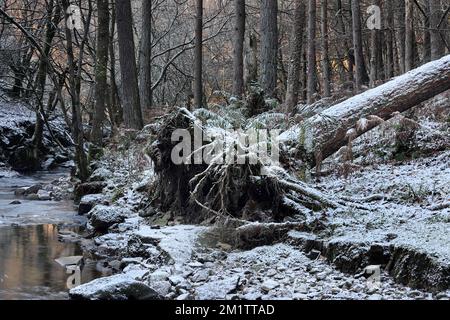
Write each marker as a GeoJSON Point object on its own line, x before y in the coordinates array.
{"type": "Point", "coordinates": [325, 133]}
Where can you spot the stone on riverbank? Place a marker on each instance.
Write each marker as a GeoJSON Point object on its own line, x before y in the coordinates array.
{"type": "Point", "coordinates": [117, 287]}
{"type": "Point", "coordinates": [102, 217]}
{"type": "Point", "coordinates": [87, 202]}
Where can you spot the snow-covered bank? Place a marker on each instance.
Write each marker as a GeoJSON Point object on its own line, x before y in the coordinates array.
{"type": "Point", "coordinates": [176, 262]}
{"type": "Point", "coordinates": [16, 130]}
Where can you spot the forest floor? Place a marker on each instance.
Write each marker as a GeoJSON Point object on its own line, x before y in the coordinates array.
{"type": "Point", "coordinates": [186, 262]}
{"type": "Point", "coordinates": [401, 223]}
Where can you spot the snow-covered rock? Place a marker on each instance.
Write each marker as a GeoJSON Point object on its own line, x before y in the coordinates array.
{"type": "Point", "coordinates": [102, 217]}
{"type": "Point", "coordinates": [87, 202]}
{"type": "Point", "coordinates": [117, 287]}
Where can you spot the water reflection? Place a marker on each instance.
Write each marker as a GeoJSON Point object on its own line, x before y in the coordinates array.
{"type": "Point", "coordinates": [27, 266]}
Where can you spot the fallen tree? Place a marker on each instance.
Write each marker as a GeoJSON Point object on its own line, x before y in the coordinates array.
{"type": "Point", "coordinates": [222, 189]}
{"type": "Point", "coordinates": [325, 133]}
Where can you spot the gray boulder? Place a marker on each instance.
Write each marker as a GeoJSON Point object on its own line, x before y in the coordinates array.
{"type": "Point", "coordinates": [116, 287]}
{"type": "Point", "coordinates": [102, 217]}
{"type": "Point", "coordinates": [87, 202]}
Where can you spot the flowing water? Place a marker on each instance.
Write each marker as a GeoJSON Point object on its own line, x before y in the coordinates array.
{"type": "Point", "coordinates": [29, 242]}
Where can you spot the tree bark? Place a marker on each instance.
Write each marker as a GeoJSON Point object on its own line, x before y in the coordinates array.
{"type": "Point", "coordinates": [238, 54]}
{"type": "Point", "coordinates": [361, 72]}
{"type": "Point", "coordinates": [74, 90]}
{"type": "Point", "coordinates": [132, 114]}
{"type": "Point", "coordinates": [145, 75]}
{"type": "Point", "coordinates": [251, 60]}
{"type": "Point", "coordinates": [41, 77]}
{"type": "Point", "coordinates": [295, 55]}
{"type": "Point", "coordinates": [437, 43]}
{"type": "Point", "coordinates": [426, 33]}
{"type": "Point", "coordinates": [325, 55]}
{"type": "Point", "coordinates": [409, 35]}
{"type": "Point", "coordinates": [400, 18]}
{"type": "Point", "coordinates": [389, 38]}
{"type": "Point", "coordinates": [198, 59]}
{"type": "Point", "coordinates": [269, 46]}
{"type": "Point", "coordinates": [325, 133]}
{"type": "Point", "coordinates": [311, 86]}
{"type": "Point", "coordinates": [101, 70]}
{"type": "Point", "coordinates": [115, 109]}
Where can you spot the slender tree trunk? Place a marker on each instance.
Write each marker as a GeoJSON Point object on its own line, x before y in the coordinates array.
{"type": "Point", "coordinates": [346, 72]}
{"type": "Point", "coordinates": [389, 37]}
{"type": "Point", "coordinates": [41, 77]}
{"type": "Point", "coordinates": [295, 55]}
{"type": "Point", "coordinates": [409, 35]}
{"type": "Point", "coordinates": [269, 46]}
{"type": "Point", "coordinates": [77, 121]}
{"type": "Point", "coordinates": [375, 50]}
{"type": "Point", "coordinates": [325, 55]}
{"type": "Point", "coordinates": [426, 33]}
{"type": "Point", "coordinates": [198, 60]}
{"type": "Point", "coordinates": [101, 71]}
{"type": "Point", "coordinates": [436, 36]}
{"type": "Point", "coordinates": [132, 113]}
{"type": "Point", "coordinates": [238, 54]}
{"type": "Point", "coordinates": [116, 114]}
{"type": "Point", "coordinates": [145, 81]}
{"type": "Point", "coordinates": [312, 72]}
{"type": "Point", "coordinates": [400, 19]}
{"type": "Point", "coordinates": [361, 72]}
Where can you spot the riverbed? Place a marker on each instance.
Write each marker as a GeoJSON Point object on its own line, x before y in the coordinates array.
{"type": "Point", "coordinates": [30, 241]}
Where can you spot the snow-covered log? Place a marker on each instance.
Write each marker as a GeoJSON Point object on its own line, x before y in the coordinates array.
{"type": "Point", "coordinates": [323, 134]}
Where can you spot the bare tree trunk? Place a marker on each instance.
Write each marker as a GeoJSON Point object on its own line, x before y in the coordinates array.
{"type": "Point", "coordinates": [238, 54]}
{"type": "Point", "coordinates": [409, 35]}
{"type": "Point", "coordinates": [311, 87]}
{"type": "Point", "coordinates": [269, 46]}
{"type": "Point", "coordinates": [145, 75]}
{"type": "Point", "coordinates": [101, 70]}
{"type": "Point", "coordinates": [389, 38]}
{"type": "Point", "coordinates": [251, 60]}
{"type": "Point", "coordinates": [132, 114]}
{"type": "Point", "coordinates": [41, 77]}
{"type": "Point", "coordinates": [327, 132]}
{"type": "Point", "coordinates": [325, 55]}
{"type": "Point", "coordinates": [437, 43]}
{"type": "Point", "coordinates": [346, 69]}
{"type": "Point", "coordinates": [400, 18]}
{"type": "Point", "coordinates": [198, 60]}
{"type": "Point", "coordinates": [361, 72]}
{"type": "Point", "coordinates": [74, 89]}
{"type": "Point", "coordinates": [295, 55]}
{"type": "Point", "coordinates": [426, 33]}
{"type": "Point", "coordinates": [375, 51]}
{"type": "Point", "coordinates": [116, 114]}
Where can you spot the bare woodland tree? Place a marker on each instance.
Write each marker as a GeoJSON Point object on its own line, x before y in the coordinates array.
{"type": "Point", "coordinates": [198, 60]}
{"type": "Point", "coordinates": [269, 46]}
{"type": "Point", "coordinates": [145, 55]}
{"type": "Point", "coordinates": [132, 114]}
{"type": "Point", "coordinates": [238, 54]}
{"type": "Point", "coordinates": [311, 90]}
{"type": "Point", "coordinates": [101, 72]}
{"type": "Point", "coordinates": [295, 55]}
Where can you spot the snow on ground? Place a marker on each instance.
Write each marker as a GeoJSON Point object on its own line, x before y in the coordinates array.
{"type": "Point", "coordinates": [175, 262]}
{"type": "Point", "coordinates": [177, 241]}
{"type": "Point", "coordinates": [407, 193]}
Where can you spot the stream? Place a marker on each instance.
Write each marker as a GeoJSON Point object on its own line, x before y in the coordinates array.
{"type": "Point", "coordinates": [30, 242]}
